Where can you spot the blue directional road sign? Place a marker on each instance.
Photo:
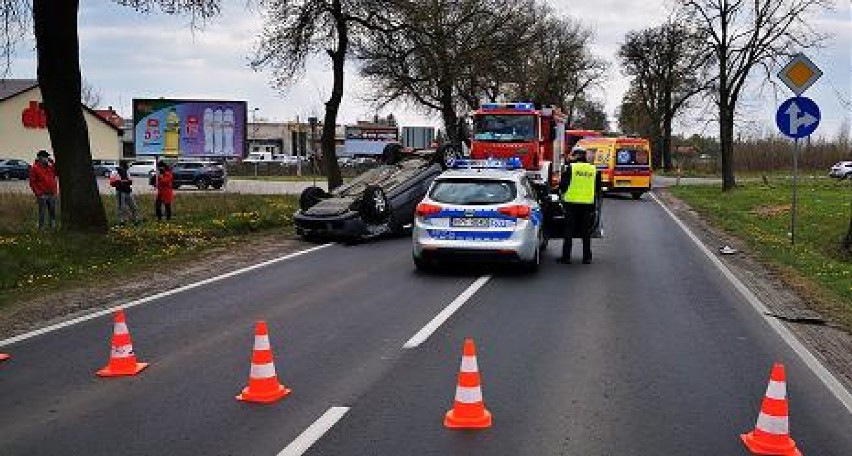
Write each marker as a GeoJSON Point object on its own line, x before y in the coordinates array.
{"type": "Point", "coordinates": [797, 117]}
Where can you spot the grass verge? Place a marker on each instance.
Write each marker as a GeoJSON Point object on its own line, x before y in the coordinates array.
{"type": "Point", "coordinates": [32, 262]}
{"type": "Point", "coordinates": [761, 215]}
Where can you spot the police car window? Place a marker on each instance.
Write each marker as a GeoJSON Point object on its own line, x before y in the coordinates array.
{"type": "Point", "coordinates": [473, 191]}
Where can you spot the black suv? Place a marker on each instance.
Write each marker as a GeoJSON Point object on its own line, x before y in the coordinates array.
{"type": "Point", "coordinates": [200, 174]}
{"type": "Point", "coordinates": [14, 168]}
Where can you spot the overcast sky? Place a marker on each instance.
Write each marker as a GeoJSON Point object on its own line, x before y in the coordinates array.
{"type": "Point", "coordinates": [127, 55]}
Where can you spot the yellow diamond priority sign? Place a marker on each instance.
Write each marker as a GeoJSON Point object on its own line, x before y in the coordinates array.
{"type": "Point", "coordinates": [800, 74]}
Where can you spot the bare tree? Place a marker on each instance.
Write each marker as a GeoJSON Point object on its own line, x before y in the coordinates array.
{"type": "Point", "coordinates": [89, 95]}
{"type": "Point", "coordinates": [668, 67]}
{"type": "Point", "coordinates": [741, 36]}
{"type": "Point", "coordinates": [58, 54]}
{"type": "Point", "coordinates": [295, 30]}
{"type": "Point", "coordinates": [558, 68]}
{"type": "Point", "coordinates": [447, 54]}
{"type": "Point", "coordinates": [632, 115]}
{"type": "Point", "coordinates": [591, 115]}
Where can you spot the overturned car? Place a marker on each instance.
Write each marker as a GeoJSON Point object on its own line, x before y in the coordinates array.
{"type": "Point", "coordinates": [378, 202]}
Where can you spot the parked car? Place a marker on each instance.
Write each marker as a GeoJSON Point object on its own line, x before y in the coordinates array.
{"type": "Point", "coordinates": [143, 168]}
{"type": "Point", "coordinates": [200, 174]}
{"type": "Point", "coordinates": [104, 167]}
{"type": "Point", "coordinates": [841, 170]}
{"type": "Point", "coordinates": [14, 168]}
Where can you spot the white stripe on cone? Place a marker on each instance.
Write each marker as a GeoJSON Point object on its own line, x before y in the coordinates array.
{"type": "Point", "coordinates": [122, 351]}
{"type": "Point", "coordinates": [119, 328]}
{"type": "Point", "coordinates": [261, 342]}
{"type": "Point", "coordinates": [777, 425]}
{"type": "Point", "coordinates": [468, 364]}
{"type": "Point", "coordinates": [262, 370]}
{"type": "Point", "coordinates": [468, 394]}
{"type": "Point", "coordinates": [776, 390]}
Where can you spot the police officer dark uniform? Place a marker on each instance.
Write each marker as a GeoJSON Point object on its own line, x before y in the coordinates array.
{"type": "Point", "coordinates": [580, 185]}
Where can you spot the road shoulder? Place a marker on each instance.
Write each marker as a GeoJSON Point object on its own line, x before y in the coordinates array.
{"type": "Point", "coordinates": [54, 307]}
{"type": "Point", "coordinates": [786, 300]}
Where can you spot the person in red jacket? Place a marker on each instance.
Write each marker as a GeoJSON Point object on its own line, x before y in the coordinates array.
{"type": "Point", "coordinates": [165, 191]}
{"type": "Point", "coordinates": [45, 187]}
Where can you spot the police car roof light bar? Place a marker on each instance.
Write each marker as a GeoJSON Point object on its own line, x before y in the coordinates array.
{"type": "Point", "coordinates": [490, 163]}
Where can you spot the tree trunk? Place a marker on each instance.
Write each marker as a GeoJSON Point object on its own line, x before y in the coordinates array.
{"type": "Point", "coordinates": [847, 242]}
{"type": "Point", "coordinates": [449, 116]}
{"type": "Point", "coordinates": [667, 143]}
{"type": "Point", "coordinates": [726, 144]}
{"type": "Point", "coordinates": [332, 106]}
{"type": "Point", "coordinates": [58, 51]}
{"type": "Point", "coordinates": [656, 144]}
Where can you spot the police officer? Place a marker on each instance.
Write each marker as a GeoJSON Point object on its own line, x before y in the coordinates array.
{"type": "Point", "coordinates": [580, 185]}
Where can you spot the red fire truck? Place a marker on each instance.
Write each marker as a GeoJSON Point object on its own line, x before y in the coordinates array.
{"type": "Point", "coordinates": [536, 136]}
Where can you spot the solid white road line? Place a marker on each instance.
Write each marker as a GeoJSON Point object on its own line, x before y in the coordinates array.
{"type": "Point", "coordinates": [448, 311]}
{"type": "Point", "coordinates": [314, 432]}
{"type": "Point", "coordinates": [827, 378]}
{"type": "Point", "coordinates": [154, 297]}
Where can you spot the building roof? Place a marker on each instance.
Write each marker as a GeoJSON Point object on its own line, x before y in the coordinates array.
{"type": "Point", "coordinates": [11, 87]}
{"type": "Point", "coordinates": [110, 116]}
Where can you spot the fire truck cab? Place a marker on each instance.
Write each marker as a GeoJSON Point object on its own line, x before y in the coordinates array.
{"type": "Point", "coordinates": [535, 136]}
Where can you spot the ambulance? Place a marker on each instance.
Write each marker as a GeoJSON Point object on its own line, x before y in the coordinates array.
{"type": "Point", "coordinates": [624, 163]}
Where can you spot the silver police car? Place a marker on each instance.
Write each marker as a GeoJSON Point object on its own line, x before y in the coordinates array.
{"type": "Point", "coordinates": [481, 211]}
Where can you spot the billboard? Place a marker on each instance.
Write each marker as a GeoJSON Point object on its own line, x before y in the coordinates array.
{"type": "Point", "coordinates": [369, 139]}
{"type": "Point", "coordinates": [189, 128]}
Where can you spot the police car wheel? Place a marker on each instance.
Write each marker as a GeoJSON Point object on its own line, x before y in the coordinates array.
{"type": "Point", "coordinates": [532, 265]}
{"type": "Point", "coordinates": [374, 208]}
{"type": "Point", "coordinates": [422, 265]}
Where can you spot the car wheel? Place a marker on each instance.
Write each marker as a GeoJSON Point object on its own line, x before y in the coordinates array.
{"type": "Point", "coordinates": [374, 207]}
{"type": "Point", "coordinates": [532, 265]}
{"type": "Point", "coordinates": [392, 154]}
{"type": "Point", "coordinates": [636, 195]}
{"type": "Point", "coordinates": [4, 176]}
{"type": "Point", "coordinates": [202, 183]}
{"type": "Point", "coordinates": [446, 154]}
{"type": "Point", "coordinates": [311, 196]}
{"type": "Point", "coordinates": [423, 265]}
{"type": "Point", "coordinates": [217, 186]}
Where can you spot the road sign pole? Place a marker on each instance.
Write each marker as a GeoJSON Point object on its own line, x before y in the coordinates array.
{"type": "Point", "coordinates": [795, 191]}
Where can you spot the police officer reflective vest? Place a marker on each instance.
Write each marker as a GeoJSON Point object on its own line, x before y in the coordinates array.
{"type": "Point", "coordinates": [582, 187]}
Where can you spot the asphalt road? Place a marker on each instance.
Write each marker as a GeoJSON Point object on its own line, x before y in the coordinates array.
{"type": "Point", "coordinates": [648, 351]}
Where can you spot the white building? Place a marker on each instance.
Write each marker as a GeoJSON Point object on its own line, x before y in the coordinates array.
{"type": "Point", "coordinates": [23, 129]}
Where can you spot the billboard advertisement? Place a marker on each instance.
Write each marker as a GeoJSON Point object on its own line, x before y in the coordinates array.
{"type": "Point", "coordinates": [189, 128]}
{"type": "Point", "coordinates": [365, 139]}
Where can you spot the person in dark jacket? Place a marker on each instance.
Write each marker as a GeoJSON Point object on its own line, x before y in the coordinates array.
{"type": "Point", "coordinates": [45, 187]}
{"type": "Point", "coordinates": [125, 201]}
{"type": "Point", "coordinates": [165, 191]}
{"type": "Point", "coordinates": [579, 188]}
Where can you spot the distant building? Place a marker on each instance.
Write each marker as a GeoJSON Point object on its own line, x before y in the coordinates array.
{"type": "Point", "coordinates": [23, 124]}
{"type": "Point", "coordinates": [287, 138]}
{"type": "Point", "coordinates": [418, 137]}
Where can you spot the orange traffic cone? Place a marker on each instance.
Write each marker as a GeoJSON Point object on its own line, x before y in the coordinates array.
{"type": "Point", "coordinates": [263, 383]}
{"type": "Point", "coordinates": [468, 410]}
{"type": "Point", "coordinates": [122, 360]}
{"type": "Point", "coordinates": [4, 356]}
{"type": "Point", "coordinates": [771, 435]}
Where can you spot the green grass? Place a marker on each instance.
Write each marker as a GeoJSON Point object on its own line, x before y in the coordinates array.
{"type": "Point", "coordinates": [32, 262]}
{"type": "Point", "coordinates": [761, 216]}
